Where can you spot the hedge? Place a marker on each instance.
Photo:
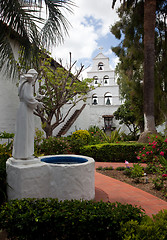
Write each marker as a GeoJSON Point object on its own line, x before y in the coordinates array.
{"type": "Point", "coordinates": [43, 219]}
{"type": "Point", "coordinates": [154, 228]}
{"type": "Point", "coordinates": [113, 152]}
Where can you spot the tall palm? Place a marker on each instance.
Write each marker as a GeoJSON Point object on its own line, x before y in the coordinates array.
{"type": "Point", "coordinates": [21, 23]}
{"type": "Point", "coordinates": [149, 60]}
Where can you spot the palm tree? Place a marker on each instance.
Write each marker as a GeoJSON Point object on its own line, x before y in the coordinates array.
{"type": "Point", "coordinates": [149, 60]}
{"type": "Point", "coordinates": [21, 24]}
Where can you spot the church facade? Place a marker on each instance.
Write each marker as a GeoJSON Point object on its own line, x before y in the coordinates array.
{"type": "Point", "coordinates": [101, 102]}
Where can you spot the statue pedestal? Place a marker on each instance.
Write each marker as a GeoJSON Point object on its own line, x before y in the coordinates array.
{"type": "Point", "coordinates": [38, 179]}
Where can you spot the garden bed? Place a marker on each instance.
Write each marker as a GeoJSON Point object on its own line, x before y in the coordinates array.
{"type": "Point", "coordinates": [147, 187]}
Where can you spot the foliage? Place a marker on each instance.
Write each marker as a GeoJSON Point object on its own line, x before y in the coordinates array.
{"type": "Point", "coordinates": [137, 172]}
{"type": "Point", "coordinates": [127, 116]}
{"type": "Point", "coordinates": [127, 172]}
{"type": "Point", "coordinates": [20, 23]}
{"type": "Point", "coordinates": [130, 31]}
{"type": "Point", "coordinates": [39, 137]}
{"type": "Point", "coordinates": [99, 136]}
{"type": "Point", "coordinates": [51, 219]}
{"type": "Point", "coordinates": [53, 146]}
{"type": "Point", "coordinates": [149, 228]}
{"type": "Point", "coordinates": [105, 168]}
{"type": "Point", "coordinates": [114, 137]}
{"type": "Point", "coordinates": [155, 152]}
{"type": "Point", "coordinates": [112, 152]}
{"type": "Point", "coordinates": [96, 135]}
{"type": "Point", "coordinates": [158, 182]}
{"type": "Point", "coordinates": [78, 139]}
{"type": "Point", "coordinates": [58, 88]}
{"type": "Point", "coordinates": [6, 135]}
{"type": "Point", "coordinates": [128, 137]}
{"type": "Point", "coordinates": [155, 155]}
{"type": "Point", "coordinates": [120, 168]}
{"type": "Point", "coordinates": [5, 153]}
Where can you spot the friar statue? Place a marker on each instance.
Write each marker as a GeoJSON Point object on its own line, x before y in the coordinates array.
{"type": "Point", "coordinates": [23, 147]}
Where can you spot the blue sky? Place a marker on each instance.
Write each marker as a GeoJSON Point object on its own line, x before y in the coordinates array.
{"type": "Point", "coordinates": [91, 21]}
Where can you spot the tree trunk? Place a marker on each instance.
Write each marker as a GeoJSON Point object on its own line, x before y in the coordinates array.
{"type": "Point", "coordinates": [149, 61]}
{"type": "Point", "coordinates": [48, 130]}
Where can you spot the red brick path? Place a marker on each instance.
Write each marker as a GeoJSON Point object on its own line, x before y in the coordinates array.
{"type": "Point", "coordinates": [110, 189]}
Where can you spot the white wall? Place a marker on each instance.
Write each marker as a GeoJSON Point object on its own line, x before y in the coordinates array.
{"type": "Point", "coordinates": [90, 116]}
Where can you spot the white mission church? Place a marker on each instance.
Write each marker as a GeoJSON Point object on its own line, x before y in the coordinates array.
{"type": "Point", "coordinates": [98, 110]}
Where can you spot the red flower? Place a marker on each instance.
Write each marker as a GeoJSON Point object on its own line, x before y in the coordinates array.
{"type": "Point", "coordinates": [143, 155]}
{"type": "Point", "coordinates": [162, 153]}
{"type": "Point", "coordinates": [164, 175]}
{"type": "Point", "coordinates": [138, 157]}
{"type": "Point", "coordinates": [154, 146]}
{"type": "Point", "coordinates": [166, 140]}
{"type": "Point", "coordinates": [147, 153]}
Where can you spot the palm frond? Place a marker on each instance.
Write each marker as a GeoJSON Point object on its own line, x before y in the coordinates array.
{"type": "Point", "coordinates": [19, 19]}
{"type": "Point", "coordinates": [56, 25]}
{"type": "Point", "coordinates": [7, 61]}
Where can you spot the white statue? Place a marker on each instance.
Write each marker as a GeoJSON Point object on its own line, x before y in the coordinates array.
{"type": "Point", "coordinates": [23, 147]}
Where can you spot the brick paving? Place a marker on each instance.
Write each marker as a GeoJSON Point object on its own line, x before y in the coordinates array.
{"type": "Point", "coordinates": [112, 190]}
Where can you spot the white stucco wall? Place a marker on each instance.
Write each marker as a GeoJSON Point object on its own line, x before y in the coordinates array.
{"type": "Point", "coordinates": [8, 105]}
{"type": "Point", "coordinates": [90, 116]}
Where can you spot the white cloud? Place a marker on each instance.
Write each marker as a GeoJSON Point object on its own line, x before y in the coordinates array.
{"type": "Point", "coordinates": [90, 22]}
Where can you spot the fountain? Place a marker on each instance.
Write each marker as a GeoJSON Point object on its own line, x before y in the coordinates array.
{"type": "Point", "coordinates": [58, 176]}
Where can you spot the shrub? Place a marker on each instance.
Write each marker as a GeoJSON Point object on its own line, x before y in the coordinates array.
{"type": "Point", "coordinates": [155, 155]}
{"type": "Point", "coordinates": [5, 153]}
{"type": "Point", "coordinates": [105, 168]}
{"type": "Point", "coordinates": [41, 219]}
{"type": "Point", "coordinates": [155, 151]}
{"type": "Point", "coordinates": [137, 172]}
{"type": "Point", "coordinates": [112, 152]}
{"type": "Point", "coordinates": [148, 229]}
{"type": "Point", "coordinates": [79, 138]}
{"type": "Point", "coordinates": [158, 182]}
{"type": "Point", "coordinates": [53, 145]}
{"type": "Point", "coordinates": [127, 172]}
{"type": "Point", "coordinates": [6, 135]}
{"type": "Point", "coordinates": [120, 168]}
{"type": "Point", "coordinates": [129, 137]}
{"type": "Point", "coordinates": [39, 137]}
{"type": "Point", "coordinates": [96, 135]}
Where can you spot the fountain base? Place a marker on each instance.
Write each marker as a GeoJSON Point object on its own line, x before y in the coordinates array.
{"type": "Point", "coordinates": [50, 177]}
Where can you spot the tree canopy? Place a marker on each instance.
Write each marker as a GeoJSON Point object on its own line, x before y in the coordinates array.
{"type": "Point", "coordinates": [150, 7]}
{"type": "Point", "coordinates": [127, 116]}
{"type": "Point", "coordinates": [130, 30]}
{"type": "Point", "coordinates": [59, 88]}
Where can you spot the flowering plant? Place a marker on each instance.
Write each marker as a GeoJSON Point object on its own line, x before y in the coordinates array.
{"type": "Point", "coordinates": [155, 151]}
{"type": "Point", "coordinates": [155, 155]}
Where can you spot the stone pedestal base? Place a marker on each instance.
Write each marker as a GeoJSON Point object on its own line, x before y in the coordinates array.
{"type": "Point", "coordinates": [37, 179]}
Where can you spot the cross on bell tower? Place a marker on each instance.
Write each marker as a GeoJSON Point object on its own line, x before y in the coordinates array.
{"type": "Point", "coordinates": [101, 49]}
